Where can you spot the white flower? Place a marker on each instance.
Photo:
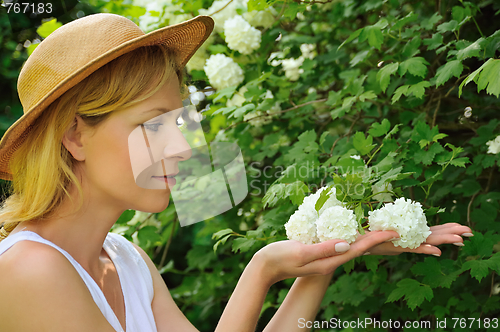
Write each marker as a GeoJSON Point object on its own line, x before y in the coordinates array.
{"type": "Point", "coordinates": [308, 50]}
{"type": "Point", "coordinates": [405, 217]}
{"type": "Point", "coordinates": [238, 98]}
{"type": "Point", "coordinates": [494, 145]}
{"type": "Point", "coordinates": [292, 68]}
{"type": "Point", "coordinates": [264, 18]}
{"type": "Point", "coordinates": [256, 118]}
{"type": "Point", "coordinates": [384, 197]}
{"type": "Point", "coordinates": [145, 219]}
{"type": "Point", "coordinates": [223, 72]}
{"type": "Point", "coordinates": [160, 12]}
{"type": "Point", "coordinates": [241, 36]}
{"type": "Point", "coordinates": [223, 12]}
{"type": "Point", "coordinates": [337, 222]}
{"type": "Point", "coordinates": [301, 225]}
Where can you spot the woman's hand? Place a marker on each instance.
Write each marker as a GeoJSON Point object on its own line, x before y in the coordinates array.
{"type": "Point", "coordinates": [289, 259]}
{"type": "Point", "coordinates": [447, 233]}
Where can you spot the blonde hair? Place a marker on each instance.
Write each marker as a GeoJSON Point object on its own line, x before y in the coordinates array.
{"type": "Point", "coordinates": [42, 168]}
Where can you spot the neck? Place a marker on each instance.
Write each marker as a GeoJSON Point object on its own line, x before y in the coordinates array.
{"type": "Point", "coordinates": [81, 233]}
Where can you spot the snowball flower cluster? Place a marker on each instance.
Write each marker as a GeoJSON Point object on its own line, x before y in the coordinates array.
{"type": "Point", "coordinates": [333, 221]}
{"type": "Point", "coordinates": [223, 11]}
{"type": "Point", "coordinates": [337, 222]}
{"type": "Point", "coordinates": [223, 72]}
{"type": "Point", "coordinates": [494, 145]}
{"type": "Point", "coordinates": [241, 36]}
{"type": "Point", "coordinates": [261, 18]}
{"type": "Point", "coordinates": [406, 218]}
{"type": "Point", "coordinates": [292, 68]}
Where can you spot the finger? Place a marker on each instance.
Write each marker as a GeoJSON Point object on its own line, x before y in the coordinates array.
{"type": "Point", "coordinates": [437, 239]}
{"type": "Point", "coordinates": [426, 249]}
{"type": "Point", "coordinates": [325, 249]}
{"type": "Point", "coordinates": [452, 228]}
{"type": "Point", "coordinates": [362, 243]}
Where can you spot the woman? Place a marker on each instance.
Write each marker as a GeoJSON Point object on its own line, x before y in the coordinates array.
{"type": "Point", "coordinates": [84, 90]}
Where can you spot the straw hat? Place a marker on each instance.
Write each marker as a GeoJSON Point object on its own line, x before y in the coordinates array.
{"type": "Point", "coordinates": [77, 49]}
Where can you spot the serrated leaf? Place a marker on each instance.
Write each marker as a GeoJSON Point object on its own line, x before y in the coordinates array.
{"type": "Point", "coordinates": [470, 51]}
{"type": "Point", "coordinates": [434, 42]}
{"type": "Point", "coordinates": [460, 162]}
{"type": "Point", "coordinates": [384, 75]}
{"type": "Point", "coordinates": [242, 244]}
{"type": "Point", "coordinates": [379, 129]}
{"type": "Point", "coordinates": [413, 291]}
{"type": "Point", "coordinates": [362, 144]}
{"type": "Point", "coordinates": [445, 72]}
{"type": "Point", "coordinates": [323, 197]}
{"type": "Point", "coordinates": [489, 78]}
{"type": "Point", "coordinates": [333, 98]}
{"type": "Point", "coordinates": [399, 92]}
{"type": "Point", "coordinates": [447, 26]}
{"type": "Point", "coordinates": [473, 76]}
{"type": "Point", "coordinates": [367, 95]}
{"type": "Point", "coordinates": [374, 36]}
{"type": "Point", "coordinates": [416, 66]}
{"type": "Point", "coordinates": [296, 191]}
{"type": "Point", "coordinates": [418, 90]}
{"type": "Point", "coordinates": [221, 233]}
{"type": "Point", "coordinates": [478, 268]}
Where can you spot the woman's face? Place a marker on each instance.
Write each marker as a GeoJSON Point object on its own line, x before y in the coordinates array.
{"type": "Point", "coordinates": [128, 156]}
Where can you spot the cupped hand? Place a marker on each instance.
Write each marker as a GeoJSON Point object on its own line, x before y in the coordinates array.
{"type": "Point", "coordinates": [441, 234]}
{"type": "Point", "coordinates": [289, 259]}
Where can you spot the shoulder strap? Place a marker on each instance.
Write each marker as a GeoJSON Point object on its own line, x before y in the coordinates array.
{"type": "Point", "coordinates": [93, 288]}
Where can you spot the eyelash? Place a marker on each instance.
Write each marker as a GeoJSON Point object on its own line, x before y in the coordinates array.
{"type": "Point", "coordinates": [157, 125]}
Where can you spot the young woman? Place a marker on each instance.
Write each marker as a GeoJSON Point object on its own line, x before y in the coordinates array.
{"type": "Point", "coordinates": [84, 90]}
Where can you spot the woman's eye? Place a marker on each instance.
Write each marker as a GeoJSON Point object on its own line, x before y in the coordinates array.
{"type": "Point", "coordinates": [152, 126]}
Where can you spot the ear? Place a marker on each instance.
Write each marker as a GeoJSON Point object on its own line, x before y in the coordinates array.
{"type": "Point", "coordinates": [73, 138]}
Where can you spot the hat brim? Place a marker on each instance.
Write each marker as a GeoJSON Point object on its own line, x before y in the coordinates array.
{"type": "Point", "coordinates": [184, 38]}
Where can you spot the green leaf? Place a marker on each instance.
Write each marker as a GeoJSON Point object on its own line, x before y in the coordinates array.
{"type": "Point", "coordinates": [242, 244]}
{"type": "Point", "coordinates": [445, 72]}
{"type": "Point", "coordinates": [221, 233]}
{"type": "Point", "coordinates": [399, 92]}
{"type": "Point", "coordinates": [416, 66]}
{"type": "Point", "coordinates": [333, 98]}
{"type": "Point", "coordinates": [414, 293]}
{"type": "Point", "coordinates": [379, 129]}
{"type": "Point", "coordinates": [257, 5]}
{"type": "Point", "coordinates": [478, 268]}
{"type": "Point", "coordinates": [274, 194]}
{"type": "Point", "coordinates": [367, 95]}
{"type": "Point", "coordinates": [473, 76]}
{"type": "Point", "coordinates": [434, 42]}
{"type": "Point", "coordinates": [447, 26]}
{"type": "Point", "coordinates": [460, 162]}
{"type": "Point", "coordinates": [362, 144]}
{"type": "Point", "coordinates": [323, 197]}
{"type": "Point", "coordinates": [470, 51]}
{"type": "Point", "coordinates": [353, 36]}
{"type": "Point", "coordinates": [384, 75]}
{"type": "Point", "coordinates": [296, 191]}
{"type": "Point", "coordinates": [374, 36]}
{"type": "Point", "coordinates": [433, 274]}
{"type": "Point", "coordinates": [48, 27]}
{"type": "Point", "coordinates": [489, 78]}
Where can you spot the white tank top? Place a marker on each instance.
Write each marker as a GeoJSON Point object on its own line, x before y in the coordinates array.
{"type": "Point", "coordinates": [133, 272]}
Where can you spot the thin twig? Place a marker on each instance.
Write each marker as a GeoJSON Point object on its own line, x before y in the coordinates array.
{"type": "Point", "coordinates": [280, 112]}
{"type": "Point", "coordinates": [435, 112]}
{"type": "Point", "coordinates": [469, 208]}
{"type": "Point", "coordinates": [227, 4]}
{"type": "Point", "coordinates": [164, 256]}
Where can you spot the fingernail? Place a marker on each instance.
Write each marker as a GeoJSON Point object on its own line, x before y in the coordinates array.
{"type": "Point", "coordinates": [467, 234]}
{"type": "Point", "coordinates": [437, 255]}
{"type": "Point", "coordinates": [366, 253]}
{"type": "Point", "coordinates": [459, 244]}
{"type": "Point", "coordinates": [342, 247]}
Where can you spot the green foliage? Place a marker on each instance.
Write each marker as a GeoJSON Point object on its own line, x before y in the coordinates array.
{"type": "Point", "coordinates": [383, 98]}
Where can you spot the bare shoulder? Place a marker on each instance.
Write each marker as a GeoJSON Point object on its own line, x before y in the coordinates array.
{"type": "Point", "coordinates": [42, 291]}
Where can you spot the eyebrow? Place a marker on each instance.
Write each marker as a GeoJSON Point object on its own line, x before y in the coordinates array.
{"type": "Point", "coordinates": [156, 109]}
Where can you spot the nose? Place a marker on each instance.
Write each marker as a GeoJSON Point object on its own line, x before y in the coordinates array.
{"type": "Point", "coordinates": [177, 148]}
